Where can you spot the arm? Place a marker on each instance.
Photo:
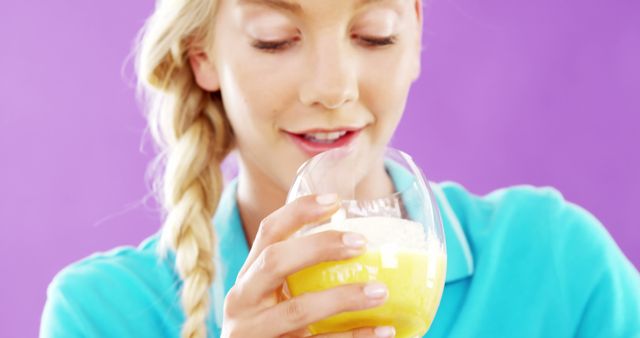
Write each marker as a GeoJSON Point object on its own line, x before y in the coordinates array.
{"type": "Point", "coordinates": [59, 317]}
{"type": "Point", "coordinates": [611, 307]}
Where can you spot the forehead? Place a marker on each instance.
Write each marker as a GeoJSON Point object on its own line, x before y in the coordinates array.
{"type": "Point", "coordinates": [295, 6]}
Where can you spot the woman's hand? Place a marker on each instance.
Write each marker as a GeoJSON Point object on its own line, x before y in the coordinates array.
{"type": "Point", "coordinates": [255, 305]}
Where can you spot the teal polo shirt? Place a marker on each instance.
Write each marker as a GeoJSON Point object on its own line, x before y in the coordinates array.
{"type": "Point", "coordinates": [522, 262]}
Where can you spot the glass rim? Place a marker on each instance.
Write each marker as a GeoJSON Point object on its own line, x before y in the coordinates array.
{"type": "Point", "coordinates": [416, 173]}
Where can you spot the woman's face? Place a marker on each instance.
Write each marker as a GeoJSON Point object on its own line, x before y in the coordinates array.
{"type": "Point", "coordinates": [301, 76]}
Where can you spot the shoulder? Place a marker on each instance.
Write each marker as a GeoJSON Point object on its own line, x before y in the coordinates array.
{"type": "Point", "coordinates": [125, 266]}
{"type": "Point", "coordinates": [525, 214]}
{"type": "Point", "coordinates": [535, 250]}
{"type": "Point", "coordinates": [530, 227]}
{"type": "Point", "coordinates": [516, 230]}
{"type": "Point", "coordinates": [132, 282]}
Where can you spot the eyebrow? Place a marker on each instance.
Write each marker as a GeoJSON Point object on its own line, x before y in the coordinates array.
{"type": "Point", "coordinates": [281, 4]}
{"type": "Point", "coordinates": [293, 6]}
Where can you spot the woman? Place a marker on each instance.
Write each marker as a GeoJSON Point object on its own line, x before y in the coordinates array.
{"type": "Point", "coordinates": [279, 81]}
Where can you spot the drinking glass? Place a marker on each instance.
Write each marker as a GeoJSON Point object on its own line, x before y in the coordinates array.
{"type": "Point", "coordinates": [385, 197]}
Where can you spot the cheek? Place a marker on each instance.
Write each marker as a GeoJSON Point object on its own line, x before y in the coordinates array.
{"type": "Point", "coordinates": [392, 70]}
{"type": "Point", "coordinates": [386, 80]}
{"type": "Point", "coordinates": [251, 110]}
{"type": "Point", "coordinates": [252, 92]}
{"type": "Point", "coordinates": [251, 89]}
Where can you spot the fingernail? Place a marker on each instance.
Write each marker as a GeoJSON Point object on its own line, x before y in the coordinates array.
{"type": "Point", "coordinates": [375, 290]}
{"type": "Point", "coordinates": [354, 240]}
{"type": "Point", "coordinates": [326, 199]}
{"type": "Point", "coordinates": [385, 331]}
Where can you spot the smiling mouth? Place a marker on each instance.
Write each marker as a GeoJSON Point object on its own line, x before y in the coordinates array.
{"type": "Point", "coordinates": [315, 141]}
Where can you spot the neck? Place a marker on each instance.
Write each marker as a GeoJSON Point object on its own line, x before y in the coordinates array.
{"type": "Point", "coordinates": [257, 197]}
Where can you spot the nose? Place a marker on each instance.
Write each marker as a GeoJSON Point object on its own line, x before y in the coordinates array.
{"type": "Point", "coordinates": [333, 79]}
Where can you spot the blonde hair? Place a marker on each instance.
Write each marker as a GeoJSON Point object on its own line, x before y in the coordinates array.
{"type": "Point", "coordinates": [192, 136]}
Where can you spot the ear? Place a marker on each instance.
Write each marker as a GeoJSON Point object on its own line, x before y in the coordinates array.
{"type": "Point", "coordinates": [418, 42]}
{"type": "Point", "coordinates": [204, 70]}
{"type": "Point", "coordinates": [418, 9]}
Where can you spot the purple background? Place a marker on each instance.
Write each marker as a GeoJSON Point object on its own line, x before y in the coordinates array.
{"type": "Point", "coordinates": [543, 92]}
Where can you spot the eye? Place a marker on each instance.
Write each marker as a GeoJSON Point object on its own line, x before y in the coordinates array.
{"type": "Point", "coordinates": [377, 41]}
{"type": "Point", "coordinates": [273, 46]}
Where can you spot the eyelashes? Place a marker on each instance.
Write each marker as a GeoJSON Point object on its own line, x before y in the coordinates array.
{"type": "Point", "coordinates": [369, 42]}
{"type": "Point", "coordinates": [384, 41]}
{"type": "Point", "coordinates": [273, 46]}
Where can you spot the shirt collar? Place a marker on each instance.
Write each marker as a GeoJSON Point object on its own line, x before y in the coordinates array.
{"type": "Point", "coordinates": [459, 259]}
{"type": "Point", "coordinates": [460, 262]}
{"type": "Point", "coordinates": [232, 243]}
{"type": "Point", "coordinates": [233, 249]}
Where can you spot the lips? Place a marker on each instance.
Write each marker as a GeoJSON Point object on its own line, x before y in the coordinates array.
{"type": "Point", "coordinates": [315, 141]}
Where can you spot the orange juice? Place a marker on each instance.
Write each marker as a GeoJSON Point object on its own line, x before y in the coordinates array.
{"type": "Point", "coordinates": [409, 262]}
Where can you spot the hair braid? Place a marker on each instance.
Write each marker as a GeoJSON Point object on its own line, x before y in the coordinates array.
{"type": "Point", "coordinates": [193, 137]}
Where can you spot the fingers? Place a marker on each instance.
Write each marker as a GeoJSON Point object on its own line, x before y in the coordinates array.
{"type": "Point", "coordinates": [299, 312]}
{"type": "Point", "coordinates": [367, 332]}
{"type": "Point", "coordinates": [282, 259]}
{"type": "Point", "coordinates": [272, 258]}
{"type": "Point", "coordinates": [283, 222]}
